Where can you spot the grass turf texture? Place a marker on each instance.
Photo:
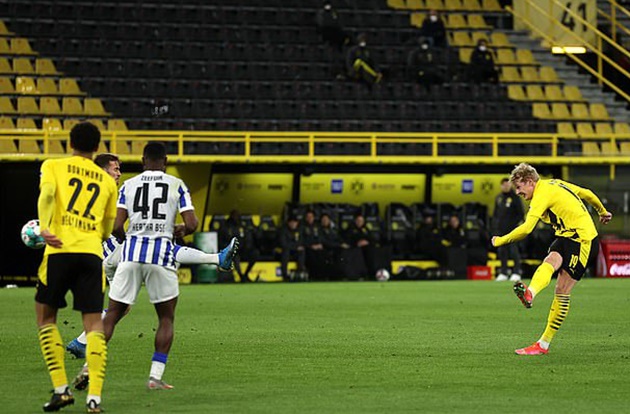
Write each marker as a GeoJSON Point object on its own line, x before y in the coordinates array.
{"type": "Point", "coordinates": [344, 348]}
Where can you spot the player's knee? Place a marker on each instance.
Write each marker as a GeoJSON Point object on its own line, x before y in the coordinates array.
{"type": "Point", "coordinates": [554, 259]}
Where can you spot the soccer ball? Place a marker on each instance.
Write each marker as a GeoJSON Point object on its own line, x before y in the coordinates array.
{"type": "Point", "coordinates": [382, 275]}
{"type": "Point", "coordinates": [30, 235]}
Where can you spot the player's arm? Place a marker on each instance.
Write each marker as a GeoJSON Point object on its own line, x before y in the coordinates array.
{"type": "Point", "coordinates": [518, 233]}
{"type": "Point", "coordinates": [110, 216]}
{"type": "Point", "coordinates": [590, 197]}
{"type": "Point", "coordinates": [187, 211]}
{"type": "Point", "coordinates": [46, 205]}
{"type": "Point", "coordinates": [119, 223]}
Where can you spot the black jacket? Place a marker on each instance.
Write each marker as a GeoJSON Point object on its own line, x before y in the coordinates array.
{"type": "Point", "coordinates": [508, 212]}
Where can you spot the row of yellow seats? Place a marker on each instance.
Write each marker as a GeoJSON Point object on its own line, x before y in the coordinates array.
{"type": "Point", "coordinates": [25, 66]}
{"type": "Point", "coordinates": [16, 46]}
{"type": "Point", "coordinates": [50, 106]}
{"type": "Point", "coordinates": [61, 146]}
{"type": "Point", "coordinates": [58, 124]}
{"type": "Point", "coordinates": [605, 149]}
{"type": "Point", "coordinates": [528, 74]}
{"type": "Point", "coordinates": [503, 56]}
{"type": "Point", "coordinates": [454, 21]}
{"type": "Point", "coordinates": [470, 39]}
{"type": "Point", "coordinates": [601, 129]}
{"type": "Point", "coordinates": [446, 5]}
{"type": "Point", "coordinates": [561, 110]}
{"type": "Point", "coordinates": [545, 93]}
{"type": "Point", "coordinates": [27, 85]}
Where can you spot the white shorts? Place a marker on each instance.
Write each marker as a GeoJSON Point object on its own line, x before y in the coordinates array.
{"type": "Point", "coordinates": [110, 263]}
{"type": "Point", "coordinates": [162, 283]}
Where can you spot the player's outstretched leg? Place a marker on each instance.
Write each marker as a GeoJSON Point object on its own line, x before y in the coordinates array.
{"type": "Point", "coordinates": [226, 255]}
{"type": "Point", "coordinates": [523, 294]}
{"type": "Point", "coordinates": [76, 347]}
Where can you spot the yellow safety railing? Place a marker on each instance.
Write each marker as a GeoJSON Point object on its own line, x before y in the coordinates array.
{"type": "Point", "coordinates": [597, 49]}
{"type": "Point", "coordinates": [377, 148]}
{"type": "Point", "coordinates": [615, 25]}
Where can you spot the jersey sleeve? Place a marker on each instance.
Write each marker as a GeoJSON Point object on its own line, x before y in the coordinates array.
{"type": "Point", "coordinates": [588, 196]}
{"type": "Point", "coordinates": [45, 201]}
{"type": "Point", "coordinates": [122, 197]}
{"type": "Point", "coordinates": [184, 201]}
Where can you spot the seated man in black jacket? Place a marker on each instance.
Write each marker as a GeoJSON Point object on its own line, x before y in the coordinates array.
{"type": "Point", "coordinates": [292, 245]}
{"type": "Point", "coordinates": [247, 236]}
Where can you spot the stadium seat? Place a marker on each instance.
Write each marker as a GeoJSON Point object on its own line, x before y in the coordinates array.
{"type": "Point", "coordinates": [49, 106]}
{"type": "Point", "coordinates": [51, 124]}
{"type": "Point", "coordinates": [434, 4]}
{"type": "Point", "coordinates": [26, 123]}
{"type": "Point", "coordinates": [499, 39]}
{"type": "Point", "coordinates": [624, 148]}
{"type": "Point", "coordinates": [560, 110]}
{"type": "Point", "coordinates": [541, 110]}
{"type": "Point", "coordinates": [491, 5]}
{"type": "Point", "coordinates": [553, 93]}
{"type": "Point", "coordinates": [45, 67]}
{"type": "Point", "coordinates": [622, 128]}
{"type": "Point", "coordinates": [585, 130]}
{"type": "Point", "coordinates": [525, 57]}
{"type": "Point", "coordinates": [464, 54]}
{"type": "Point", "coordinates": [21, 46]}
{"type": "Point", "coordinates": [460, 39]}
{"type": "Point", "coordinates": [6, 106]}
{"type": "Point", "coordinates": [28, 146]}
{"type": "Point", "coordinates": [69, 86]}
{"type": "Point", "coordinates": [5, 49]}
{"type": "Point", "coordinates": [23, 66]}
{"type": "Point", "coordinates": [515, 92]}
{"type": "Point", "coordinates": [7, 146]}
{"type": "Point", "coordinates": [505, 57]}
{"type": "Point", "coordinates": [94, 107]}
{"type": "Point", "coordinates": [476, 21]}
{"type": "Point", "coordinates": [416, 19]}
{"type": "Point", "coordinates": [478, 35]}
{"type": "Point", "coordinates": [27, 106]}
{"type": "Point", "coordinates": [397, 4]}
{"type": "Point", "coordinates": [565, 129]}
{"type": "Point", "coordinates": [455, 21]}
{"type": "Point", "coordinates": [603, 129]}
{"type": "Point", "coordinates": [471, 5]}
{"type": "Point", "coordinates": [548, 74]}
{"type": "Point", "coordinates": [599, 112]}
{"type": "Point", "coordinates": [510, 74]}
{"type": "Point", "coordinates": [25, 85]}
{"type": "Point", "coordinates": [572, 93]}
{"type": "Point", "coordinates": [580, 111]}
{"type": "Point", "coordinates": [116, 125]}
{"type": "Point", "coordinates": [71, 106]}
{"type": "Point", "coordinates": [4, 30]}
{"type": "Point", "coordinates": [47, 86]}
{"type": "Point", "coordinates": [415, 5]}
{"type": "Point", "coordinates": [591, 148]}
{"type": "Point", "coordinates": [5, 66]}
{"type": "Point", "coordinates": [534, 93]}
{"type": "Point", "coordinates": [609, 149]}
{"type": "Point", "coordinates": [6, 123]}
{"type": "Point", "coordinates": [530, 74]}
{"type": "Point", "coordinates": [6, 87]}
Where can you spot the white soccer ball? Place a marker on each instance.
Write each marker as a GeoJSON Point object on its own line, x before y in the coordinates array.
{"type": "Point", "coordinates": [30, 235]}
{"type": "Point", "coordinates": [382, 275]}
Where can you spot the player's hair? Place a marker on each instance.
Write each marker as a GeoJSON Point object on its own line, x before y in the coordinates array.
{"type": "Point", "coordinates": [85, 137]}
{"type": "Point", "coordinates": [524, 172]}
{"type": "Point", "coordinates": [154, 151]}
{"type": "Point", "coordinates": [103, 160]}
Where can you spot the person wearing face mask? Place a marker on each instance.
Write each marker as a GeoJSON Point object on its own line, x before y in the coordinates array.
{"type": "Point", "coordinates": [329, 26]}
{"type": "Point", "coordinates": [426, 65]}
{"type": "Point", "coordinates": [434, 30]}
{"type": "Point", "coordinates": [359, 63]}
{"type": "Point", "coordinates": [482, 68]}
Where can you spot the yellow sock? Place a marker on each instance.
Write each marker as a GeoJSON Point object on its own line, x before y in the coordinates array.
{"type": "Point", "coordinates": [557, 314]}
{"type": "Point", "coordinates": [52, 348]}
{"type": "Point", "coordinates": [96, 358]}
{"type": "Point", "coordinates": [541, 278]}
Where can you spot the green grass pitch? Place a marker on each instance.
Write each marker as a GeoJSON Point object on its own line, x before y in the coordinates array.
{"type": "Point", "coordinates": [432, 347]}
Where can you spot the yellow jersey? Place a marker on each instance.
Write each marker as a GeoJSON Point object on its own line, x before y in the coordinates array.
{"type": "Point", "coordinates": [560, 204]}
{"type": "Point", "coordinates": [84, 197]}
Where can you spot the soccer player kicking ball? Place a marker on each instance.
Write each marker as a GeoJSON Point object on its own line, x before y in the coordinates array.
{"type": "Point", "coordinates": [560, 204]}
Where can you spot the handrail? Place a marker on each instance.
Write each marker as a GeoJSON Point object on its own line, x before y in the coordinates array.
{"type": "Point", "coordinates": [376, 143]}
{"type": "Point", "coordinates": [614, 24]}
{"type": "Point", "coordinates": [598, 74]}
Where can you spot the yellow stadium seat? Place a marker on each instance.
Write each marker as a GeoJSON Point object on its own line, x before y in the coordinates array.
{"type": "Point", "coordinates": [476, 21]}
{"type": "Point", "coordinates": [94, 107]}
{"type": "Point", "coordinates": [21, 46]}
{"type": "Point", "coordinates": [560, 110]}
{"type": "Point", "coordinates": [6, 123]}
{"type": "Point", "coordinates": [541, 110]}
{"type": "Point", "coordinates": [622, 128]}
{"type": "Point", "coordinates": [5, 67]}
{"type": "Point", "coordinates": [68, 123]}
{"type": "Point", "coordinates": [415, 5]}
{"type": "Point", "coordinates": [23, 66]}
{"type": "Point", "coordinates": [6, 87]}
{"type": "Point", "coordinates": [5, 49]}
{"type": "Point", "coordinates": [525, 57]}
{"type": "Point", "coordinates": [28, 146]}
{"type": "Point", "coordinates": [7, 146]}
{"type": "Point", "coordinates": [566, 129]}
{"type": "Point", "coordinates": [397, 4]}
{"type": "Point", "coordinates": [548, 74]}
{"type": "Point", "coordinates": [505, 57]}
{"type": "Point", "coordinates": [464, 54]}
{"type": "Point", "coordinates": [137, 146]}
{"type": "Point", "coordinates": [26, 123]}
{"type": "Point", "coordinates": [585, 130]}
{"type": "Point", "coordinates": [573, 93]}
{"type": "Point", "coordinates": [580, 111]}
{"type": "Point", "coordinates": [69, 86]}
{"type": "Point", "coordinates": [498, 39]}
{"type": "Point", "coordinates": [530, 74]}
{"type": "Point", "coordinates": [51, 124]}
{"type": "Point", "coordinates": [591, 148]}
{"type": "Point", "coordinates": [534, 93]}
{"type": "Point", "coordinates": [609, 148]}
{"type": "Point", "coordinates": [121, 148]}
{"type": "Point", "coordinates": [491, 5]}
{"type": "Point", "coordinates": [603, 129]}
{"type": "Point", "coordinates": [510, 74]}
{"type": "Point", "coordinates": [479, 35]}
{"type": "Point", "coordinates": [624, 148]}
{"type": "Point", "coordinates": [6, 106]}
{"type": "Point", "coordinates": [98, 123]}
{"type": "Point", "coordinates": [455, 21]}
{"type": "Point", "coordinates": [27, 106]}
{"type": "Point", "coordinates": [515, 92]}
{"type": "Point", "coordinates": [49, 106]}
{"type": "Point", "coordinates": [453, 5]}
{"type": "Point", "coordinates": [71, 106]}
{"type": "Point", "coordinates": [25, 85]}
{"type": "Point", "coordinates": [47, 86]}
{"type": "Point", "coordinates": [460, 39]}
{"type": "Point", "coordinates": [416, 19]}
{"type": "Point", "coordinates": [4, 30]}
{"type": "Point", "coordinates": [471, 5]}
{"type": "Point", "coordinates": [434, 4]}
{"type": "Point", "coordinates": [116, 125]}
{"type": "Point", "coordinates": [55, 145]}
{"type": "Point", "coordinates": [599, 112]}
{"type": "Point", "coordinates": [553, 93]}
{"type": "Point", "coordinates": [45, 67]}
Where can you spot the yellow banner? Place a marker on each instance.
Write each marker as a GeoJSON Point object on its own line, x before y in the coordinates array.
{"type": "Point", "coordinates": [363, 188]}
{"type": "Point", "coordinates": [458, 189]}
{"type": "Point", "coordinates": [250, 193]}
{"type": "Point", "coordinates": [552, 17]}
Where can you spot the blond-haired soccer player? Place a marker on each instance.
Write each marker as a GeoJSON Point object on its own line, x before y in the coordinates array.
{"type": "Point", "coordinates": [560, 204]}
{"type": "Point", "coordinates": [76, 208]}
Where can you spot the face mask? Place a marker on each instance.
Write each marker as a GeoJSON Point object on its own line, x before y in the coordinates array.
{"type": "Point", "coordinates": [327, 7]}
{"type": "Point", "coordinates": [362, 44]}
{"type": "Point", "coordinates": [482, 48]}
{"type": "Point", "coordinates": [433, 18]}
{"type": "Point", "coordinates": [424, 46]}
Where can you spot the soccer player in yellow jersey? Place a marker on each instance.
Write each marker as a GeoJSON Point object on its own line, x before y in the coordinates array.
{"type": "Point", "coordinates": [560, 204]}
{"type": "Point", "coordinates": [77, 208]}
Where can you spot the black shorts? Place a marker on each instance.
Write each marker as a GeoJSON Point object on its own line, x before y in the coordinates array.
{"type": "Point", "coordinates": [576, 256]}
{"type": "Point", "coordinates": [80, 273]}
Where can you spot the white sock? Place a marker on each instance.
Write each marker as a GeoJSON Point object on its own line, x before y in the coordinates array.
{"type": "Point", "coordinates": [157, 369]}
{"type": "Point", "coordinates": [62, 389]}
{"type": "Point", "coordinates": [96, 398]}
{"type": "Point", "coordinates": [187, 255]}
{"type": "Point", "coordinates": [82, 338]}
{"type": "Point", "coordinates": [543, 344]}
